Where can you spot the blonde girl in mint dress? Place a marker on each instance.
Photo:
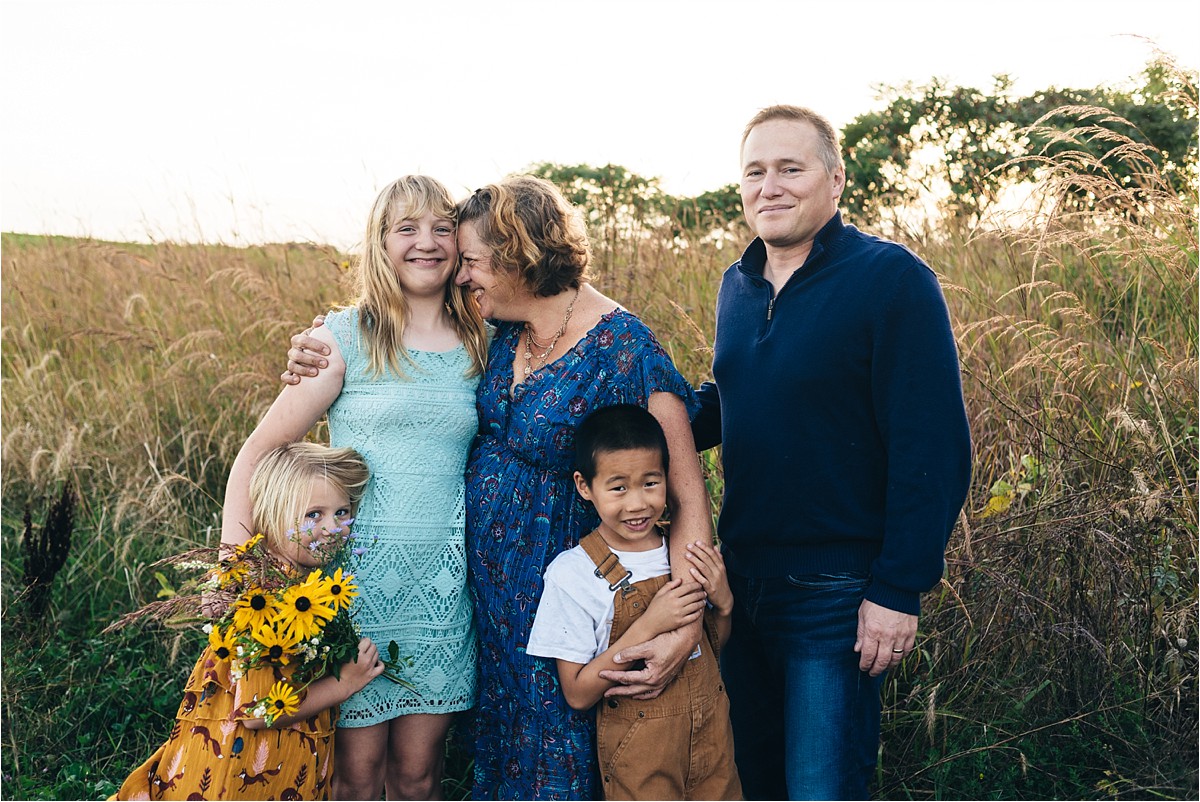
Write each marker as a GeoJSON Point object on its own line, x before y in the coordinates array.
{"type": "Point", "coordinates": [400, 388]}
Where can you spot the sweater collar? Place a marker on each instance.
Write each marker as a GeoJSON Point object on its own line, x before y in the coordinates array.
{"type": "Point", "coordinates": [754, 258]}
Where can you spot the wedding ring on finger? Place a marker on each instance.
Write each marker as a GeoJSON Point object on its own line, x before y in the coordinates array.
{"type": "Point", "coordinates": [897, 651]}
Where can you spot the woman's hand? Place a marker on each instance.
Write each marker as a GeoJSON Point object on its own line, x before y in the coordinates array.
{"type": "Point", "coordinates": [664, 656]}
{"type": "Point", "coordinates": [307, 355]}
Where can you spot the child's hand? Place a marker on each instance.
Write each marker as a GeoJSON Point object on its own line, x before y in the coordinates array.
{"type": "Point", "coordinates": [357, 673]}
{"type": "Point", "coordinates": [708, 567]}
{"type": "Point", "coordinates": [675, 605]}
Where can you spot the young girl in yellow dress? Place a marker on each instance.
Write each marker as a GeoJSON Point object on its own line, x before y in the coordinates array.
{"type": "Point", "coordinates": [219, 748]}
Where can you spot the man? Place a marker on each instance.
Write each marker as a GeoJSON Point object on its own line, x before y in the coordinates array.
{"type": "Point", "coordinates": [847, 460]}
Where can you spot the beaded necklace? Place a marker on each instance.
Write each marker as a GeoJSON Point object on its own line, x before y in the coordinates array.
{"type": "Point", "coordinates": [531, 341]}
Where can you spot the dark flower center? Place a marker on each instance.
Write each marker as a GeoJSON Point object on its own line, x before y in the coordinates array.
{"type": "Point", "coordinates": [223, 652]}
{"type": "Point", "coordinates": [279, 704]}
{"type": "Point", "coordinates": [258, 602]}
{"type": "Point", "coordinates": [276, 652]}
{"type": "Point", "coordinates": [335, 590]}
{"type": "Point", "coordinates": [302, 604]}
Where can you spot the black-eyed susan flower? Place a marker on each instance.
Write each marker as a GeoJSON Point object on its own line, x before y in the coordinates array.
{"type": "Point", "coordinates": [222, 643]}
{"type": "Point", "coordinates": [281, 701]}
{"type": "Point", "coordinates": [305, 608]}
{"type": "Point", "coordinates": [279, 644]}
{"type": "Point", "coordinates": [341, 589]}
{"type": "Point", "coordinates": [249, 544]}
{"type": "Point", "coordinates": [254, 609]}
{"type": "Point", "coordinates": [231, 572]}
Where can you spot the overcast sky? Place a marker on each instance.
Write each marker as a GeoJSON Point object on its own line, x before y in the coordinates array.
{"type": "Point", "coordinates": [247, 121]}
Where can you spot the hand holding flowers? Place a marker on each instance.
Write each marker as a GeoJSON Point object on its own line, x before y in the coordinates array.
{"type": "Point", "coordinates": [283, 702]}
{"type": "Point", "coordinates": [276, 616]}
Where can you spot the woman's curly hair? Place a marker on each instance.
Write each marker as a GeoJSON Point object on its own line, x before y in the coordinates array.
{"type": "Point", "coordinates": [533, 231]}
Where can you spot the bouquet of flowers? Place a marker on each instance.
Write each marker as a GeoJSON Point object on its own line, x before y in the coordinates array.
{"type": "Point", "coordinates": [268, 614]}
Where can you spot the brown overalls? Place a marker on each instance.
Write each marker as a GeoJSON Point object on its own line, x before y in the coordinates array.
{"type": "Point", "coordinates": [679, 745]}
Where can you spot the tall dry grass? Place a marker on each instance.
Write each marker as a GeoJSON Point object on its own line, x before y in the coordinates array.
{"type": "Point", "coordinates": [135, 372]}
{"type": "Point", "coordinates": [1057, 658]}
{"type": "Point", "coordinates": [1060, 650]}
{"type": "Point", "coordinates": [131, 374]}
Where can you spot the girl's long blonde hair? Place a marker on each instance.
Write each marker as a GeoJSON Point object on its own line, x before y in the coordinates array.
{"type": "Point", "coordinates": [383, 310]}
{"type": "Point", "coordinates": [280, 485]}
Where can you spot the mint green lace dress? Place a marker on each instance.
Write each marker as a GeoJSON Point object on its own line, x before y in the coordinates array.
{"type": "Point", "coordinates": [414, 434]}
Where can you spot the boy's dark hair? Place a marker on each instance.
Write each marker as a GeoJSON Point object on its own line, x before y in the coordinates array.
{"type": "Point", "coordinates": [617, 428]}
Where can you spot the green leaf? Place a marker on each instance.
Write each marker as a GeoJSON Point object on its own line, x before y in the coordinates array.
{"type": "Point", "coordinates": [1002, 489]}
{"type": "Point", "coordinates": [165, 591]}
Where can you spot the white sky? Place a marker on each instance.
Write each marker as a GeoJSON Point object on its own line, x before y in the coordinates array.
{"type": "Point", "coordinates": [239, 121]}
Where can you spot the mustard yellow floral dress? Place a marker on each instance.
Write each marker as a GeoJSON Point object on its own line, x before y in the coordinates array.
{"type": "Point", "coordinates": [210, 755]}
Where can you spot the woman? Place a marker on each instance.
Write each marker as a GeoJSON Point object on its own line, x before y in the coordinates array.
{"type": "Point", "coordinates": [404, 361]}
{"type": "Point", "coordinates": [560, 350]}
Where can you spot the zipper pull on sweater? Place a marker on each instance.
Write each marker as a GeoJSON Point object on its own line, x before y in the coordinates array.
{"type": "Point", "coordinates": [771, 307]}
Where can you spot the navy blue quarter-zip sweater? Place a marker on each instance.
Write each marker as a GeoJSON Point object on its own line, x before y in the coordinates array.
{"type": "Point", "coordinates": [840, 409]}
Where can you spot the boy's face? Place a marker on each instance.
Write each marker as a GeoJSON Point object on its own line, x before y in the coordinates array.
{"type": "Point", "coordinates": [629, 492]}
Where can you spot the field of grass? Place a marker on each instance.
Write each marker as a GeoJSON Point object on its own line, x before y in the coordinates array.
{"type": "Point", "coordinates": [1057, 659]}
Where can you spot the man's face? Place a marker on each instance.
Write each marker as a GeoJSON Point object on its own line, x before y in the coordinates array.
{"type": "Point", "coordinates": [787, 193]}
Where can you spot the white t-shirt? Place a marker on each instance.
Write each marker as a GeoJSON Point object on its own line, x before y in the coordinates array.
{"type": "Point", "coordinates": [574, 618]}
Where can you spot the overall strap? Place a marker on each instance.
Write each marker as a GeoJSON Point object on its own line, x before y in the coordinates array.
{"type": "Point", "coordinates": [710, 633]}
{"type": "Point", "coordinates": [607, 564]}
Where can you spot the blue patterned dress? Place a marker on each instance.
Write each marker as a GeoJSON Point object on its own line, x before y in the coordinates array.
{"type": "Point", "coordinates": [522, 511]}
{"type": "Point", "coordinates": [414, 434]}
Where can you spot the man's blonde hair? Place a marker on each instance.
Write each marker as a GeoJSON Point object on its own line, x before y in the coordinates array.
{"type": "Point", "coordinates": [828, 148]}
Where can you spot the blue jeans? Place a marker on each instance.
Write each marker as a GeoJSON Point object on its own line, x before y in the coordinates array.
{"type": "Point", "coordinates": [805, 719]}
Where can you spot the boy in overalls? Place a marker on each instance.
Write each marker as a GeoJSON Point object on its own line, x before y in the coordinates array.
{"type": "Point", "coordinates": [615, 590]}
